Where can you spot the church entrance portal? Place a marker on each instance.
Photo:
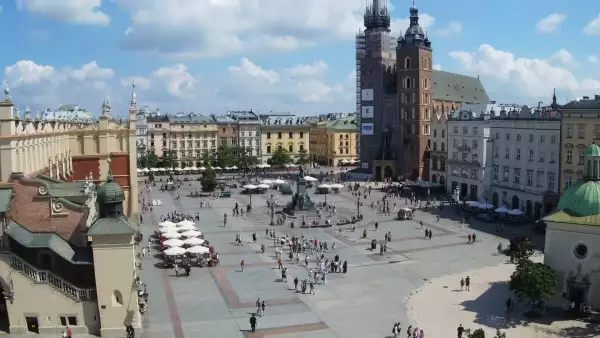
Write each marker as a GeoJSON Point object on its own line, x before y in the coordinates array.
{"type": "Point", "coordinates": [378, 174]}
{"type": "Point", "coordinates": [388, 173]}
{"type": "Point", "coordinates": [577, 296]}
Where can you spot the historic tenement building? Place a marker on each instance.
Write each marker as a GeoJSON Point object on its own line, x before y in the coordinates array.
{"type": "Point", "coordinates": [67, 257]}
{"type": "Point", "coordinates": [399, 93]}
{"type": "Point", "coordinates": [439, 148]}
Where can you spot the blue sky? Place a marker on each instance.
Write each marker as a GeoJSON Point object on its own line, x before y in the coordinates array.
{"type": "Point", "coordinates": [280, 55]}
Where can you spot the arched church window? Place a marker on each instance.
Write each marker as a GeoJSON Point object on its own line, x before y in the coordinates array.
{"type": "Point", "coordinates": [407, 83]}
{"type": "Point", "coordinates": [425, 63]}
{"type": "Point", "coordinates": [407, 63]}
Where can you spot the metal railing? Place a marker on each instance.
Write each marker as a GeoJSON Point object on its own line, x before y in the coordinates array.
{"type": "Point", "coordinates": [47, 277]}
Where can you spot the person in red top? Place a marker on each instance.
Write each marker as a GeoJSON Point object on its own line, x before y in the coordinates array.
{"type": "Point", "coordinates": [69, 332]}
{"type": "Point", "coordinates": [242, 264]}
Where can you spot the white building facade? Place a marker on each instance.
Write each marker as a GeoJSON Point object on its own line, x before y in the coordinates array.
{"type": "Point", "coordinates": [438, 149]}
{"type": "Point", "coordinates": [525, 158]}
{"type": "Point", "coordinates": [467, 169]}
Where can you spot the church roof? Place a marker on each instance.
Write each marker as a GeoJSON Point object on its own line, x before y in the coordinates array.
{"type": "Point", "coordinates": [580, 203]}
{"type": "Point", "coordinates": [458, 88]}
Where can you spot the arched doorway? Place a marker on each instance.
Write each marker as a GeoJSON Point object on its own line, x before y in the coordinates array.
{"type": "Point", "coordinates": [434, 178]}
{"type": "Point", "coordinates": [378, 173]}
{"type": "Point", "coordinates": [529, 209]}
{"type": "Point", "coordinates": [495, 199]}
{"type": "Point", "coordinates": [442, 179]}
{"type": "Point", "coordinates": [515, 202]}
{"type": "Point", "coordinates": [388, 173]}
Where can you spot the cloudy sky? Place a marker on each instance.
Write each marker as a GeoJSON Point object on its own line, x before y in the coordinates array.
{"type": "Point", "coordinates": [210, 56]}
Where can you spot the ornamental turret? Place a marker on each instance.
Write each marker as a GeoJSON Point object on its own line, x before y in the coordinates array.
{"type": "Point", "coordinates": [377, 16]}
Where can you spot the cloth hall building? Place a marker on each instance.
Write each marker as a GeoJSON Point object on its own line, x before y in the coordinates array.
{"type": "Point", "coordinates": [69, 216]}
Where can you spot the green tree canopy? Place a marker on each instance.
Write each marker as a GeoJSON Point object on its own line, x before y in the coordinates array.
{"type": "Point", "coordinates": [207, 159]}
{"type": "Point", "coordinates": [147, 160]}
{"type": "Point", "coordinates": [209, 180]}
{"type": "Point", "coordinates": [168, 160]}
{"type": "Point", "coordinates": [280, 158]}
{"type": "Point", "coordinates": [533, 281]}
{"type": "Point", "coordinates": [479, 333]}
{"type": "Point", "coordinates": [226, 156]}
{"type": "Point", "coordinates": [246, 160]}
{"type": "Point", "coordinates": [303, 157]}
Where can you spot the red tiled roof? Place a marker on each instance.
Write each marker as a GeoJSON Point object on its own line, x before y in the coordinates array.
{"type": "Point", "coordinates": [33, 212]}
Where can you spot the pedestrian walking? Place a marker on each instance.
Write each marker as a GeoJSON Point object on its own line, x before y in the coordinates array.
{"type": "Point", "coordinates": [253, 323]}
{"type": "Point", "coordinates": [242, 264]}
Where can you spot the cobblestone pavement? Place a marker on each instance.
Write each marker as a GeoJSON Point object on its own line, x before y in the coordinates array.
{"type": "Point", "coordinates": [365, 302]}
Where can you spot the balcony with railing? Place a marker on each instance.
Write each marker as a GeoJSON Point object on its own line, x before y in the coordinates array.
{"type": "Point", "coordinates": [46, 277]}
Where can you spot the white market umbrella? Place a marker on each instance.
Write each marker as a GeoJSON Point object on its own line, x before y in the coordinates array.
{"type": "Point", "coordinates": [155, 169]}
{"type": "Point", "coordinates": [473, 204]}
{"type": "Point", "coordinates": [186, 227]}
{"type": "Point", "coordinates": [278, 181]}
{"type": "Point", "coordinates": [250, 186]}
{"type": "Point", "coordinates": [173, 242]}
{"type": "Point", "coordinates": [234, 168]}
{"type": "Point", "coordinates": [192, 241]}
{"type": "Point", "coordinates": [266, 182]}
{"type": "Point", "coordinates": [217, 168]}
{"type": "Point", "coordinates": [324, 186]}
{"type": "Point", "coordinates": [185, 222]}
{"type": "Point", "coordinates": [171, 235]}
{"type": "Point", "coordinates": [310, 179]}
{"type": "Point", "coordinates": [167, 224]}
{"type": "Point", "coordinates": [515, 212]}
{"type": "Point", "coordinates": [139, 170]}
{"type": "Point", "coordinates": [502, 210]}
{"type": "Point", "coordinates": [145, 170]}
{"type": "Point", "coordinates": [336, 186]}
{"type": "Point", "coordinates": [485, 206]}
{"type": "Point", "coordinates": [266, 166]}
{"type": "Point", "coordinates": [174, 251]}
{"type": "Point", "coordinates": [191, 233]}
{"type": "Point", "coordinates": [201, 168]}
{"type": "Point", "coordinates": [263, 186]}
{"type": "Point", "coordinates": [164, 230]}
{"type": "Point", "coordinates": [197, 250]}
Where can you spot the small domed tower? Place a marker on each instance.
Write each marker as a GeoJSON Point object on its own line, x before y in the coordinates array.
{"type": "Point", "coordinates": [110, 198]}
{"type": "Point", "coordinates": [592, 162]}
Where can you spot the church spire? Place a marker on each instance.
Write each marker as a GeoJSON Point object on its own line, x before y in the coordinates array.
{"type": "Point", "coordinates": [133, 104]}
{"type": "Point", "coordinates": [554, 104]}
{"type": "Point", "coordinates": [377, 16]}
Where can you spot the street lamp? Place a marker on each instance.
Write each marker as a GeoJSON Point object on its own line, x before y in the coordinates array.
{"type": "Point", "coordinates": [358, 206]}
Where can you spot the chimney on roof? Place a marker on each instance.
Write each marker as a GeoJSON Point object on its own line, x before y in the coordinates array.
{"type": "Point", "coordinates": [597, 97]}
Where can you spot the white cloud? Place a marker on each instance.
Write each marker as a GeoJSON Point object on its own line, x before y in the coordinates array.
{"type": "Point", "coordinates": [437, 67]}
{"type": "Point", "coordinates": [564, 57]}
{"type": "Point", "coordinates": [44, 86]}
{"type": "Point", "coordinates": [593, 27]}
{"type": "Point", "coordinates": [522, 77]}
{"type": "Point", "coordinates": [592, 59]}
{"type": "Point", "coordinates": [454, 28]}
{"type": "Point", "coordinates": [302, 85]}
{"type": "Point", "coordinates": [550, 23]}
{"type": "Point", "coordinates": [72, 11]}
{"type": "Point", "coordinates": [194, 29]}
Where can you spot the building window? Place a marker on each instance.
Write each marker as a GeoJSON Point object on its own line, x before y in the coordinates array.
{"type": "Point", "coordinates": [268, 149]}
{"type": "Point", "coordinates": [518, 137]}
{"type": "Point", "coordinates": [517, 178]}
{"type": "Point", "coordinates": [291, 134]}
{"type": "Point", "coordinates": [456, 129]}
{"type": "Point", "coordinates": [497, 136]}
{"type": "Point", "coordinates": [474, 144]}
{"type": "Point", "coordinates": [464, 156]}
{"type": "Point", "coordinates": [569, 131]}
{"type": "Point", "coordinates": [291, 148]}
{"type": "Point", "coordinates": [507, 137]}
{"type": "Point", "coordinates": [407, 63]}
{"type": "Point", "coordinates": [581, 158]}
{"type": "Point", "coordinates": [553, 139]}
{"type": "Point", "coordinates": [550, 181]}
{"type": "Point", "coordinates": [443, 133]}
{"type": "Point", "coordinates": [569, 156]}
{"type": "Point", "coordinates": [495, 172]}
{"type": "Point", "coordinates": [465, 130]}
{"type": "Point", "coordinates": [268, 134]}
{"type": "Point", "coordinates": [475, 130]}
{"type": "Point", "coordinates": [68, 321]}
{"type": "Point", "coordinates": [542, 156]}
{"type": "Point", "coordinates": [540, 178]}
{"type": "Point", "coordinates": [580, 251]}
{"type": "Point", "coordinates": [507, 153]}
{"type": "Point", "coordinates": [542, 138]}
{"type": "Point", "coordinates": [531, 156]}
{"type": "Point", "coordinates": [302, 135]}
{"type": "Point", "coordinates": [496, 152]}
{"type": "Point", "coordinates": [568, 181]}
{"type": "Point", "coordinates": [530, 177]}
{"type": "Point", "coordinates": [455, 155]}
{"type": "Point", "coordinates": [581, 131]}
{"type": "Point", "coordinates": [474, 157]}
{"type": "Point", "coordinates": [505, 174]}
{"type": "Point", "coordinates": [531, 138]}
{"type": "Point", "coordinates": [518, 154]}
{"type": "Point", "coordinates": [551, 157]}
{"type": "Point", "coordinates": [279, 135]}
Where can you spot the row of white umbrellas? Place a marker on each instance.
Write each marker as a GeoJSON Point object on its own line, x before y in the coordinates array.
{"type": "Point", "coordinates": [178, 251]}
{"type": "Point", "coordinates": [331, 186]}
{"type": "Point", "coordinates": [192, 241]}
{"type": "Point", "coordinates": [146, 170]}
{"type": "Point", "coordinates": [501, 210]}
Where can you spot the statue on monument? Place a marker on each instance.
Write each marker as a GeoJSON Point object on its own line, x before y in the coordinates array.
{"type": "Point", "coordinates": [300, 173]}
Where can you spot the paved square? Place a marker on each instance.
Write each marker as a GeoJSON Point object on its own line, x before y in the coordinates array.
{"type": "Point", "coordinates": [365, 302]}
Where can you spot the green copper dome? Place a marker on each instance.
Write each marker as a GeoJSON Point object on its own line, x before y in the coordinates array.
{"type": "Point", "coordinates": [110, 192]}
{"type": "Point", "coordinates": [592, 150]}
{"type": "Point", "coordinates": [581, 199]}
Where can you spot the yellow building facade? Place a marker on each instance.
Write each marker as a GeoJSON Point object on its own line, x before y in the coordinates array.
{"type": "Point", "coordinates": [289, 134]}
{"type": "Point", "coordinates": [191, 136]}
{"type": "Point", "coordinates": [333, 142]}
{"type": "Point", "coordinates": [580, 128]}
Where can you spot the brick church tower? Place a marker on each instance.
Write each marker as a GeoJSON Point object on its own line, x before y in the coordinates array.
{"type": "Point", "coordinates": [415, 98]}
